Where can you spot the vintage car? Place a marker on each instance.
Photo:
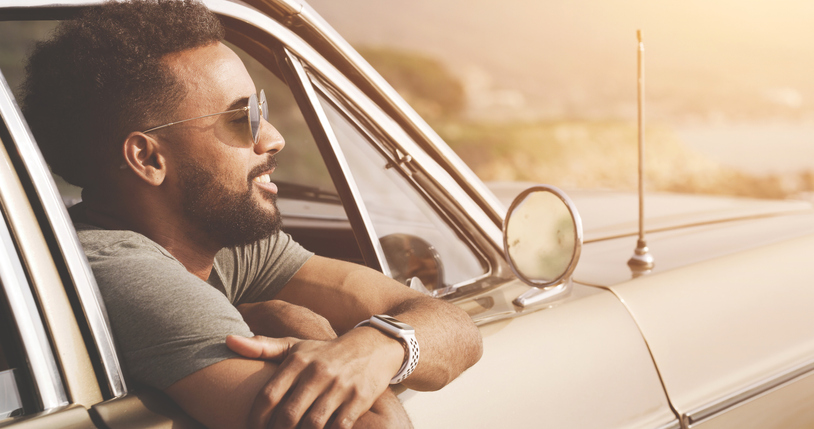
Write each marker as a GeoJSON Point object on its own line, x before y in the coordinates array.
{"type": "Point", "coordinates": [719, 334]}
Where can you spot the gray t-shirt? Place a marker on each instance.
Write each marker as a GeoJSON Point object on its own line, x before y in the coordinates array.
{"type": "Point", "coordinates": [168, 323]}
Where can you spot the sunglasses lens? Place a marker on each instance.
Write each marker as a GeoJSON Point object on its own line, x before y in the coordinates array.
{"type": "Point", "coordinates": [263, 105]}
{"type": "Point", "coordinates": [254, 117]}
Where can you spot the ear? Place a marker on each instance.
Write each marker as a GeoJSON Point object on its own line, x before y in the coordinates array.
{"type": "Point", "coordinates": [143, 155]}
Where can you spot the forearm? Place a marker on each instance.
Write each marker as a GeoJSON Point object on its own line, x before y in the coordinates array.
{"type": "Point", "coordinates": [449, 341]}
{"type": "Point", "coordinates": [346, 294]}
{"type": "Point", "coordinates": [279, 319]}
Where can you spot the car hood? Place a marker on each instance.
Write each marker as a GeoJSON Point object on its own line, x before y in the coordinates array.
{"type": "Point", "coordinates": [681, 229]}
{"type": "Point", "coordinates": [607, 214]}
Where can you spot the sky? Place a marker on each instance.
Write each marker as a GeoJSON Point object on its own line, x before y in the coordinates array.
{"type": "Point", "coordinates": [706, 61]}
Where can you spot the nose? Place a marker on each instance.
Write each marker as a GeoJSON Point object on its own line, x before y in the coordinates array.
{"type": "Point", "coordinates": [270, 140]}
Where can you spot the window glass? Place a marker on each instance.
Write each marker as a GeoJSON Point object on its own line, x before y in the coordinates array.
{"type": "Point", "coordinates": [18, 40]}
{"type": "Point", "coordinates": [416, 240]}
{"type": "Point", "coordinates": [311, 208]}
{"type": "Point", "coordinates": [300, 162]}
{"type": "Point", "coordinates": [11, 403]}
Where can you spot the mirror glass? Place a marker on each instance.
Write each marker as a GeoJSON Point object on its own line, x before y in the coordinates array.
{"type": "Point", "coordinates": [542, 236]}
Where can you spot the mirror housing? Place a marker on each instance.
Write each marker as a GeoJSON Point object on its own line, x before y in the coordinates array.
{"type": "Point", "coordinates": [542, 241]}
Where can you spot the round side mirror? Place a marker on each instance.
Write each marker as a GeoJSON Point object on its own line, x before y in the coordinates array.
{"type": "Point", "coordinates": [542, 236]}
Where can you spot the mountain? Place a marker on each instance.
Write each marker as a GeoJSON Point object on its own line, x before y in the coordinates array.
{"type": "Point", "coordinates": [706, 61]}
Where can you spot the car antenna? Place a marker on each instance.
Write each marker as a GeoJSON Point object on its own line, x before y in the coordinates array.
{"type": "Point", "coordinates": [641, 262]}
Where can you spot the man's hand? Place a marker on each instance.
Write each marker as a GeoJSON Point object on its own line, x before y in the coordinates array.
{"type": "Point", "coordinates": [321, 382]}
{"type": "Point", "coordinates": [279, 319]}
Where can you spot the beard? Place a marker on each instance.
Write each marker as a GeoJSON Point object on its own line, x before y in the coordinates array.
{"type": "Point", "coordinates": [230, 218]}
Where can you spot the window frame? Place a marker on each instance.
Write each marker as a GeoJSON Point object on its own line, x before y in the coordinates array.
{"type": "Point", "coordinates": [479, 232]}
{"type": "Point", "coordinates": [55, 223]}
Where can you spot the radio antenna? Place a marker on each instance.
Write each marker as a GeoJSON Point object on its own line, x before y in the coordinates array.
{"type": "Point", "coordinates": [642, 261]}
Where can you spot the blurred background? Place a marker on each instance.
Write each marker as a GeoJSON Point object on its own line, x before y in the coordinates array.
{"type": "Point", "coordinates": [546, 91]}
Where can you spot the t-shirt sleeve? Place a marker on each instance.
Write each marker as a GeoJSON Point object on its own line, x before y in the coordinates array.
{"type": "Point", "coordinates": [258, 271]}
{"type": "Point", "coordinates": [167, 322]}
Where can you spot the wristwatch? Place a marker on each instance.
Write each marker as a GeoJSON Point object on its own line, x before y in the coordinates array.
{"type": "Point", "coordinates": [402, 332]}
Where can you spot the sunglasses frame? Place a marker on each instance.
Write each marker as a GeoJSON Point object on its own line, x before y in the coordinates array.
{"type": "Point", "coordinates": [253, 116]}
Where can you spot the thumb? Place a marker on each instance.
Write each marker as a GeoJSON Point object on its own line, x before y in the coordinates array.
{"type": "Point", "coordinates": [259, 347]}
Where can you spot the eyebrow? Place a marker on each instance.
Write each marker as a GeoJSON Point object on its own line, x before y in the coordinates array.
{"type": "Point", "coordinates": [239, 103]}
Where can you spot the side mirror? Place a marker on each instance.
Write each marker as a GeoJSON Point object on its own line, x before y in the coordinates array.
{"type": "Point", "coordinates": [542, 239]}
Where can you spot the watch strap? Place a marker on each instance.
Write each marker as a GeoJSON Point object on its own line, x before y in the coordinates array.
{"type": "Point", "coordinates": [411, 352]}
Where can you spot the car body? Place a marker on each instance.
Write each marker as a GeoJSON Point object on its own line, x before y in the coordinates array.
{"type": "Point", "coordinates": [720, 334]}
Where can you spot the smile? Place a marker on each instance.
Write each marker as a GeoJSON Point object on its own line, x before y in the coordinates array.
{"type": "Point", "coordinates": [264, 182]}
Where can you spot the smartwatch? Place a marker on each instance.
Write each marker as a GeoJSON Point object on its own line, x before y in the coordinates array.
{"type": "Point", "coordinates": [402, 332]}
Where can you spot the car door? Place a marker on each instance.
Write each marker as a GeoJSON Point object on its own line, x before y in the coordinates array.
{"type": "Point", "coordinates": [364, 185]}
{"type": "Point", "coordinates": [46, 373]}
{"type": "Point", "coordinates": [579, 363]}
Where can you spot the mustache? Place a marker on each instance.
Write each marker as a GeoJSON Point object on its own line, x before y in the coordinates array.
{"type": "Point", "coordinates": [266, 166]}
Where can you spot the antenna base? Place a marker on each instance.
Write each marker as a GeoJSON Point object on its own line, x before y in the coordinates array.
{"type": "Point", "coordinates": [641, 260]}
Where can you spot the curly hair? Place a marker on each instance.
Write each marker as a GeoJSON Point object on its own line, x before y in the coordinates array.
{"type": "Point", "coordinates": [101, 76]}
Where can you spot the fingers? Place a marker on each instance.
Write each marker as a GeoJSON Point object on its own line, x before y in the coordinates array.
{"type": "Point", "coordinates": [318, 394]}
{"type": "Point", "coordinates": [347, 415]}
{"type": "Point", "coordinates": [269, 397]}
{"type": "Point", "coordinates": [259, 347]}
{"type": "Point", "coordinates": [303, 406]}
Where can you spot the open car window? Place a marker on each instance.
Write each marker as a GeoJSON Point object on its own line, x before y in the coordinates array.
{"type": "Point", "coordinates": [415, 240]}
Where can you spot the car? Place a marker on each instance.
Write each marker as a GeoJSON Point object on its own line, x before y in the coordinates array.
{"type": "Point", "coordinates": [718, 334]}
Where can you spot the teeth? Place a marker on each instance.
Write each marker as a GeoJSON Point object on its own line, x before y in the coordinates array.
{"type": "Point", "coordinates": [263, 179]}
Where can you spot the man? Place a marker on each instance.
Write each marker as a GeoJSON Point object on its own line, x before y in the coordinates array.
{"type": "Point", "coordinates": [141, 105]}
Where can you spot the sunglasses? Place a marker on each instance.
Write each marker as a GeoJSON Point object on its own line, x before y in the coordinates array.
{"type": "Point", "coordinates": [255, 109]}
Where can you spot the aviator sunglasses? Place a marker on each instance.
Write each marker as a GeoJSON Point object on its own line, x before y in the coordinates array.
{"type": "Point", "coordinates": [254, 109]}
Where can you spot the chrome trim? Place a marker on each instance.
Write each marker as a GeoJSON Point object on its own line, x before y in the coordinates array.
{"type": "Point", "coordinates": [577, 234]}
{"type": "Point", "coordinates": [86, 289]}
{"type": "Point", "coordinates": [754, 390]}
{"type": "Point", "coordinates": [675, 424]}
{"type": "Point", "coordinates": [388, 146]}
{"type": "Point", "coordinates": [355, 194]}
{"type": "Point", "coordinates": [302, 50]}
{"type": "Point", "coordinates": [38, 353]}
{"type": "Point", "coordinates": [536, 295]}
{"type": "Point", "coordinates": [394, 104]}
{"type": "Point", "coordinates": [560, 287]}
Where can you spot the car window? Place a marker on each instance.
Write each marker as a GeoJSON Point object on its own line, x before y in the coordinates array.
{"type": "Point", "coordinates": [300, 164]}
{"type": "Point", "coordinates": [11, 403]}
{"type": "Point", "coordinates": [416, 241]}
{"type": "Point", "coordinates": [18, 39]}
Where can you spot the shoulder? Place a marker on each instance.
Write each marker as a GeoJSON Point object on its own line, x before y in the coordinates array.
{"type": "Point", "coordinates": [274, 248]}
{"type": "Point", "coordinates": [168, 322]}
{"type": "Point", "coordinates": [98, 243]}
{"type": "Point", "coordinates": [130, 267]}
{"type": "Point", "coordinates": [257, 271]}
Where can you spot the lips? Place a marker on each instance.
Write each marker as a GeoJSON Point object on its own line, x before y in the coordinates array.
{"type": "Point", "coordinates": [261, 176]}
{"type": "Point", "coordinates": [264, 182]}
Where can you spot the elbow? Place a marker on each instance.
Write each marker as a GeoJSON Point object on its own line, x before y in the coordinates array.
{"type": "Point", "coordinates": [473, 347]}
{"type": "Point", "coordinates": [466, 351]}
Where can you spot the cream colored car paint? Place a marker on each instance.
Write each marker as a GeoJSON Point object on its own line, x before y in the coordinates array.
{"type": "Point", "coordinates": [724, 325]}
{"type": "Point", "coordinates": [583, 365]}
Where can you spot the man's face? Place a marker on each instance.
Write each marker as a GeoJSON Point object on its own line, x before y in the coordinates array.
{"type": "Point", "coordinates": [221, 178]}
